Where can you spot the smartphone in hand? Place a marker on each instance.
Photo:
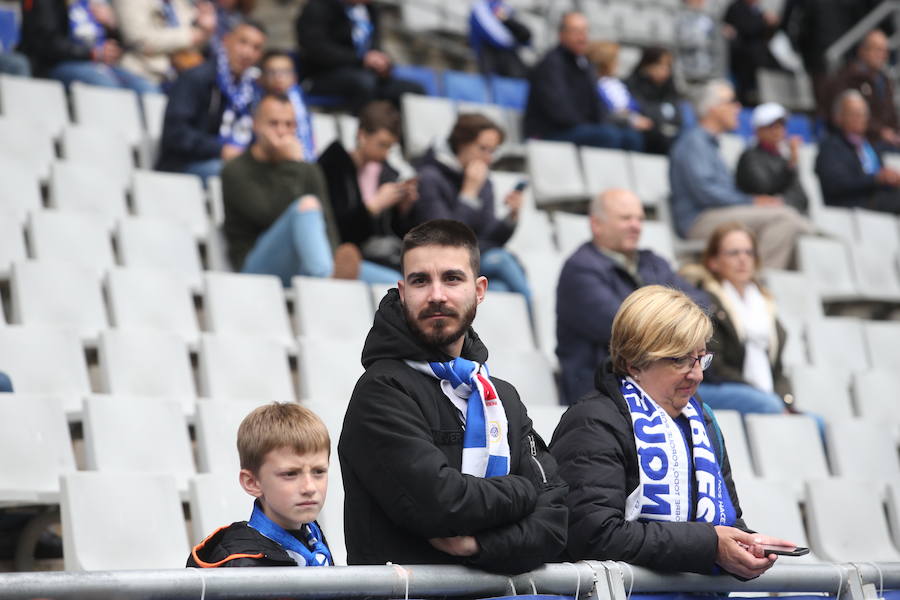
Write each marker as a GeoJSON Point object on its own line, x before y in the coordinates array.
{"type": "Point", "coordinates": [785, 550]}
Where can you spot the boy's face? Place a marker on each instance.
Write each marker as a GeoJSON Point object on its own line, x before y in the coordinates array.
{"type": "Point", "coordinates": [291, 487]}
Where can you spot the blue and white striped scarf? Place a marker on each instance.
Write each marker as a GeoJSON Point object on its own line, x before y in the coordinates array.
{"type": "Point", "coordinates": [362, 28]}
{"type": "Point", "coordinates": [83, 26]}
{"type": "Point", "coordinates": [664, 464]}
{"type": "Point", "coordinates": [237, 122]}
{"type": "Point", "coordinates": [314, 553]}
{"type": "Point", "coordinates": [485, 27]}
{"type": "Point", "coordinates": [304, 123]}
{"type": "Point", "coordinates": [485, 441]}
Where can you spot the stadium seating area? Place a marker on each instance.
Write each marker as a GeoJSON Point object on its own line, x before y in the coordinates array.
{"type": "Point", "coordinates": [135, 351]}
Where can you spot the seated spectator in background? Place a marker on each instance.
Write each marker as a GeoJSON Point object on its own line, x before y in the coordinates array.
{"type": "Point", "coordinates": [652, 86]}
{"type": "Point", "coordinates": [648, 472]}
{"type": "Point", "coordinates": [748, 340]}
{"type": "Point", "coordinates": [698, 43]}
{"type": "Point", "coordinates": [620, 105]}
{"type": "Point", "coordinates": [867, 73]}
{"type": "Point", "coordinates": [338, 41]}
{"type": "Point", "coordinates": [563, 103]}
{"type": "Point", "coordinates": [14, 63]}
{"type": "Point", "coordinates": [496, 36]}
{"type": "Point", "coordinates": [769, 167]}
{"type": "Point", "coordinates": [370, 205]}
{"type": "Point", "coordinates": [440, 461]}
{"type": "Point", "coordinates": [284, 451]}
{"type": "Point", "coordinates": [5, 383]}
{"type": "Point", "coordinates": [454, 183]}
{"type": "Point", "coordinates": [277, 220]}
{"type": "Point", "coordinates": [278, 77]}
{"type": "Point", "coordinates": [76, 41]}
{"type": "Point", "coordinates": [850, 169]}
{"type": "Point", "coordinates": [162, 38]}
{"type": "Point", "coordinates": [208, 117]}
{"type": "Point", "coordinates": [704, 194]}
{"type": "Point", "coordinates": [751, 28]}
{"type": "Point", "coordinates": [594, 281]}
{"type": "Point", "coordinates": [230, 14]}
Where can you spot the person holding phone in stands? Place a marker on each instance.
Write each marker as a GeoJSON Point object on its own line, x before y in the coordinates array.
{"type": "Point", "coordinates": [649, 478]}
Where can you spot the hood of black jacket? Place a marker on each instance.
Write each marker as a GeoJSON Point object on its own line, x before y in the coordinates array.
{"type": "Point", "coordinates": [391, 338]}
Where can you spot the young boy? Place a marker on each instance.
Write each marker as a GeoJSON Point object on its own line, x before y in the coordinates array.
{"type": "Point", "coordinates": [284, 451]}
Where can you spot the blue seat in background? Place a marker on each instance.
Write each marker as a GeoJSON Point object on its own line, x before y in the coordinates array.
{"type": "Point", "coordinates": [509, 92]}
{"type": "Point", "coordinates": [468, 87]}
{"type": "Point", "coordinates": [800, 125]}
{"type": "Point", "coordinates": [688, 115]}
{"type": "Point", "coordinates": [424, 76]}
{"type": "Point", "coordinates": [745, 125]}
{"type": "Point", "coordinates": [9, 29]}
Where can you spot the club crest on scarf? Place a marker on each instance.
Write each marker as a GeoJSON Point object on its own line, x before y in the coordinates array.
{"type": "Point", "coordinates": [314, 553]}
{"type": "Point", "coordinates": [664, 464]}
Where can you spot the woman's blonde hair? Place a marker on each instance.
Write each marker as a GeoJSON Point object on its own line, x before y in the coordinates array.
{"type": "Point", "coordinates": [603, 55]}
{"type": "Point", "coordinates": [656, 322]}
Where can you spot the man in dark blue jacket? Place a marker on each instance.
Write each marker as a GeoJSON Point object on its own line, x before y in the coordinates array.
{"type": "Point", "coordinates": [594, 282]}
{"type": "Point", "coordinates": [563, 102]}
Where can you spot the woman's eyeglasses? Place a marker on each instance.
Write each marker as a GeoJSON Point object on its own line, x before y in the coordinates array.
{"type": "Point", "coordinates": [686, 363]}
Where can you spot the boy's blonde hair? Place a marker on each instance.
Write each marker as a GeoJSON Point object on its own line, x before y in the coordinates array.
{"type": "Point", "coordinates": [280, 425]}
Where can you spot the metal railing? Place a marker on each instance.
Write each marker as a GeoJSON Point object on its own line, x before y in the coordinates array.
{"type": "Point", "coordinates": [835, 53]}
{"type": "Point", "coordinates": [585, 580]}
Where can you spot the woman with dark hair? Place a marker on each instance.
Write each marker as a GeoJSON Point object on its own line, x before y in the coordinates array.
{"type": "Point", "coordinates": [454, 184]}
{"type": "Point", "coordinates": [653, 89]}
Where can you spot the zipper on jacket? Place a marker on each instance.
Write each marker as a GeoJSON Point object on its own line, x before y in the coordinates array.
{"type": "Point", "coordinates": [535, 459]}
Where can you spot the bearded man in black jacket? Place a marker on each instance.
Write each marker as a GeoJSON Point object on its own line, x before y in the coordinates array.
{"type": "Point", "coordinates": [439, 459]}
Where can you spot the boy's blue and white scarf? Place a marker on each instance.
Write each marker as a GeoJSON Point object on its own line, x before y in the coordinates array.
{"type": "Point", "coordinates": [312, 554]}
{"type": "Point", "coordinates": [666, 480]}
{"type": "Point", "coordinates": [485, 441]}
{"type": "Point", "coordinates": [304, 123]}
{"type": "Point", "coordinates": [485, 27]}
{"type": "Point", "coordinates": [83, 26]}
{"type": "Point", "coordinates": [362, 28]}
{"type": "Point", "coordinates": [237, 122]}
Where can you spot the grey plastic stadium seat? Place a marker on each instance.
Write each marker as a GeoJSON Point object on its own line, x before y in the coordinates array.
{"type": "Point", "coordinates": [883, 343]}
{"type": "Point", "coordinates": [111, 502]}
{"type": "Point", "coordinates": [27, 353]}
{"type": "Point", "coordinates": [863, 449]}
{"type": "Point", "coordinates": [247, 305]}
{"type": "Point", "coordinates": [12, 241]}
{"type": "Point", "coordinates": [107, 150]}
{"type": "Point", "coordinates": [533, 234]}
{"type": "Point", "coordinates": [332, 516]}
{"type": "Point", "coordinates": [823, 390]}
{"type": "Point", "coordinates": [158, 244]}
{"type": "Point", "coordinates": [528, 371]}
{"type": "Point", "coordinates": [154, 116]}
{"type": "Point", "coordinates": [325, 131]}
{"type": "Point", "coordinates": [827, 265]}
{"type": "Point", "coordinates": [108, 108]}
{"type": "Point", "coordinates": [217, 500]}
{"type": "Point", "coordinates": [769, 508]}
{"type": "Point", "coordinates": [328, 369]}
{"type": "Point", "coordinates": [55, 294]}
{"type": "Point", "coordinates": [348, 126]}
{"type": "Point", "coordinates": [657, 236]}
{"type": "Point", "coordinates": [35, 449]}
{"type": "Point", "coordinates": [137, 435]}
{"type": "Point", "coordinates": [425, 119]}
{"type": "Point", "coordinates": [877, 229]}
{"type": "Point", "coordinates": [502, 319]}
{"type": "Point", "coordinates": [78, 187]}
{"type": "Point", "coordinates": [171, 196]}
{"type": "Point", "coordinates": [806, 169]}
{"type": "Point", "coordinates": [77, 238]}
{"type": "Point", "coordinates": [378, 292]}
{"type": "Point", "coordinates": [650, 174]}
{"type": "Point", "coordinates": [147, 364]}
{"type": "Point", "coordinates": [604, 169]}
{"type": "Point", "coordinates": [876, 277]}
{"type": "Point", "coordinates": [544, 267]}
{"type": "Point", "coordinates": [786, 448]}
{"type": "Point", "coordinates": [731, 146]}
{"type": "Point", "coordinates": [29, 143]}
{"type": "Point", "coordinates": [836, 222]}
{"type": "Point", "coordinates": [846, 522]}
{"type": "Point", "coordinates": [505, 182]}
{"type": "Point", "coordinates": [837, 342]}
{"type": "Point", "coordinates": [243, 368]}
{"type": "Point", "coordinates": [555, 172]}
{"type": "Point", "coordinates": [572, 231]}
{"type": "Point", "coordinates": [544, 420]}
{"type": "Point", "coordinates": [793, 294]}
{"type": "Point", "coordinates": [876, 393]}
{"type": "Point", "coordinates": [27, 99]}
{"type": "Point", "coordinates": [216, 426]}
{"type": "Point", "coordinates": [795, 351]}
{"type": "Point", "coordinates": [152, 299]}
{"type": "Point", "coordinates": [893, 505]}
{"type": "Point", "coordinates": [20, 193]}
{"type": "Point", "coordinates": [332, 308]}
{"type": "Point", "coordinates": [731, 424]}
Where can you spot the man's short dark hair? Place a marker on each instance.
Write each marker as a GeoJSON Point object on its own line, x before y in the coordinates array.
{"type": "Point", "coordinates": [252, 23]}
{"type": "Point", "coordinates": [282, 98]}
{"type": "Point", "coordinates": [443, 232]}
{"type": "Point", "coordinates": [379, 115]}
{"type": "Point", "coordinates": [274, 53]}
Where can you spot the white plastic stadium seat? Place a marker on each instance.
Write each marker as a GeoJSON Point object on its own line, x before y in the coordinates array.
{"type": "Point", "coordinates": [572, 231]}
{"type": "Point", "coordinates": [863, 449]}
{"type": "Point", "coordinates": [502, 319]}
{"type": "Point", "coordinates": [247, 305]}
{"type": "Point", "coordinates": [325, 131]}
{"type": "Point", "coordinates": [837, 223]}
{"type": "Point", "coordinates": [29, 99]}
{"type": "Point", "coordinates": [533, 234]}
{"type": "Point", "coordinates": [244, 367]}
{"type": "Point", "coordinates": [823, 390]}
{"type": "Point", "coordinates": [20, 193]}
{"type": "Point", "coordinates": [877, 229]}
{"type": "Point", "coordinates": [657, 236]}
{"type": "Point", "coordinates": [217, 500]}
{"type": "Point", "coordinates": [71, 237]}
{"type": "Point", "coordinates": [827, 265]}
{"type": "Point", "coordinates": [216, 426]}
{"type": "Point", "coordinates": [768, 506]}
{"type": "Point", "coordinates": [793, 294]}
{"type": "Point", "coordinates": [786, 448]}
{"type": "Point", "coordinates": [555, 172]}
{"type": "Point", "coordinates": [604, 169]}
{"type": "Point", "coordinates": [731, 424]}
{"type": "Point", "coordinates": [29, 143]}
{"type": "Point", "coordinates": [78, 187]}
{"type": "Point", "coordinates": [883, 343]}
{"type": "Point", "coordinates": [152, 299]}
{"type": "Point", "coordinates": [329, 369]}
{"type": "Point", "coordinates": [332, 516]}
{"type": "Point", "coordinates": [108, 108]}
{"type": "Point", "coordinates": [111, 503]}
{"type": "Point", "coordinates": [106, 150]}
{"type": "Point", "coordinates": [731, 146]}
{"type": "Point", "coordinates": [544, 420]}
{"type": "Point", "coordinates": [159, 244]}
{"type": "Point", "coordinates": [650, 173]}
{"type": "Point", "coordinates": [876, 277]}
{"type": "Point", "coordinates": [837, 342]}
{"type": "Point", "coordinates": [332, 308]}
{"type": "Point", "coordinates": [12, 241]}
{"type": "Point", "coordinates": [154, 116]}
{"type": "Point", "coordinates": [425, 120]}
{"type": "Point", "coordinates": [171, 196]}
{"type": "Point", "coordinates": [529, 372]}
{"type": "Point", "coordinates": [876, 392]}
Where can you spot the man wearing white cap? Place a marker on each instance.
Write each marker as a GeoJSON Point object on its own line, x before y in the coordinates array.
{"type": "Point", "coordinates": [770, 165]}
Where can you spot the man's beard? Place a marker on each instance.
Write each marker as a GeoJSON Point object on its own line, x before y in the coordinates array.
{"type": "Point", "coordinates": [438, 333]}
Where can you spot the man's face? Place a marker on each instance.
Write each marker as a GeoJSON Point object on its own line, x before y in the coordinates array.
{"type": "Point", "coordinates": [273, 122]}
{"type": "Point", "coordinates": [573, 35]}
{"type": "Point", "coordinates": [278, 75]}
{"type": "Point", "coordinates": [854, 117]}
{"type": "Point", "coordinates": [244, 45]}
{"type": "Point", "coordinates": [874, 51]}
{"type": "Point", "coordinates": [727, 111]}
{"type": "Point", "coordinates": [619, 227]}
{"type": "Point", "coordinates": [440, 293]}
{"type": "Point", "coordinates": [375, 146]}
{"type": "Point", "coordinates": [773, 134]}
